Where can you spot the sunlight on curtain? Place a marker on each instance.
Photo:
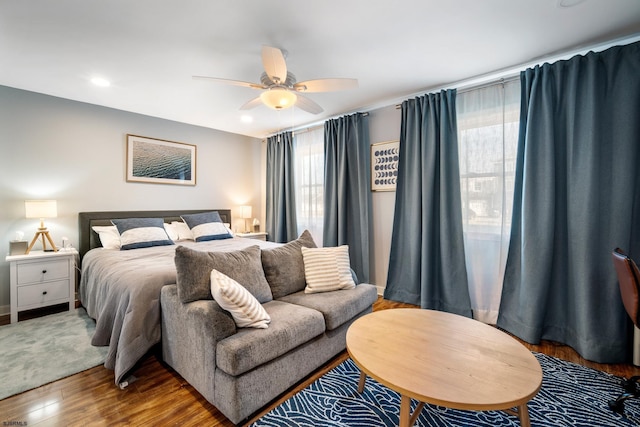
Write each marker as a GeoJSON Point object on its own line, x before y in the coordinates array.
{"type": "Point", "coordinates": [309, 172]}
{"type": "Point", "coordinates": [488, 120]}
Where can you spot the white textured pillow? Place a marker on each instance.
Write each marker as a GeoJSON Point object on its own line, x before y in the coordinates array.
{"type": "Point", "coordinates": [245, 309]}
{"type": "Point", "coordinates": [109, 236]}
{"type": "Point", "coordinates": [327, 269]}
{"type": "Point", "coordinates": [171, 230]}
{"type": "Point", "coordinates": [184, 232]}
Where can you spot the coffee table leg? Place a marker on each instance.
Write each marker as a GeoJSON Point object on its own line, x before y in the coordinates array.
{"type": "Point", "coordinates": [523, 414]}
{"type": "Point", "coordinates": [405, 408]}
{"type": "Point", "coordinates": [361, 381]}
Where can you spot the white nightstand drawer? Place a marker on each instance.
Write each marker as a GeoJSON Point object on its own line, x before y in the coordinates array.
{"type": "Point", "coordinates": [39, 279]}
{"type": "Point", "coordinates": [43, 271]}
{"type": "Point", "coordinates": [43, 293]}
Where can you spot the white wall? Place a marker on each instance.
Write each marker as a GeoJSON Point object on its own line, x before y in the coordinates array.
{"type": "Point", "coordinates": [53, 148]}
{"type": "Point", "coordinates": [384, 125]}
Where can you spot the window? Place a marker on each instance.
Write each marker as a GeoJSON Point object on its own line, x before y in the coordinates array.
{"type": "Point", "coordinates": [488, 121]}
{"type": "Point", "coordinates": [309, 181]}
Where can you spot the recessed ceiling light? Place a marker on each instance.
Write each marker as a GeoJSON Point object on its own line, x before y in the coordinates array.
{"type": "Point", "coordinates": [569, 3]}
{"type": "Point", "coordinates": [246, 119]}
{"type": "Point", "coordinates": [99, 81]}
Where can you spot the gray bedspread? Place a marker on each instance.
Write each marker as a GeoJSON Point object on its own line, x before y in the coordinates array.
{"type": "Point", "coordinates": [121, 291]}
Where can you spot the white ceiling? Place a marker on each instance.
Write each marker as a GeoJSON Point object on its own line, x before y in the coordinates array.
{"type": "Point", "coordinates": [149, 49]}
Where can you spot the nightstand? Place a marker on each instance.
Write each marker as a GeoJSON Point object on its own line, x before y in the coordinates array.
{"type": "Point", "coordinates": [257, 235]}
{"type": "Point", "coordinates": [41, 279]}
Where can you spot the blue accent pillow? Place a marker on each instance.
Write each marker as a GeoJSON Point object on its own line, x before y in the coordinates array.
{"type": "Point", "coordinates": [141, 233]}
{"type": "Point", "coordinates": [206, 226]}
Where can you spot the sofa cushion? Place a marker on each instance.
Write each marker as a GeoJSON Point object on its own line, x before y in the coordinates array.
{"type": "Point", "coordinates": [245, 309]}
{"type": "Point", "coordinates": [337, 307]}
{"type": "Point", "coordinates": [291, 326]}
{"type": "Point", "coordinates": [327, 269]}
{"type": "Point", "coordinates": [193, 272]}
{"type": "Point", "coordinates": [284, 267]}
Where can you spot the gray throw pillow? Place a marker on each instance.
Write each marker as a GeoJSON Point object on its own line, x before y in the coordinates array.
{"type": "Point", "coordinates": [193, 272]}
{"type": "Point", "coordinates": [284, 266]}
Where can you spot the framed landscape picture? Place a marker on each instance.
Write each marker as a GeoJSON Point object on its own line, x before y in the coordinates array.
{"type": "Point", "coordinates": [160, 162]}
{"type": "Point", "coordinates": [384, 165]}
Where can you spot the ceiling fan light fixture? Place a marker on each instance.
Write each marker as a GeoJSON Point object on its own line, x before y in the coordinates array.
{"type": "Point", "coordinates": [278, 98]}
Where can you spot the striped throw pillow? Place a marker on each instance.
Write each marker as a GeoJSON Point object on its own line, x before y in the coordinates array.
{"type": "Point", "coordinates": [141, 233]}
{"type": "Point", "coordinates": [327, 269]}
{"type": "Point", "coordinates": [245, 309]}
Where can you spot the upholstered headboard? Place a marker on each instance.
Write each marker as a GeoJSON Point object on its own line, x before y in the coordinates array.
{"type": "Point", "coordinates": [89, 238]}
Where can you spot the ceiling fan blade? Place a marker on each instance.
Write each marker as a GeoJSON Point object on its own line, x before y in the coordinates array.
{"type": "Point", "coordinates": [274, 64]}
{"type": "Point", "coordinates": [307, 105]}
{"type": "Point", "coordinates": [251, 104]}
{"type": "Point", "coordinates": [231, 82]}
{"type": "Point", "coordinates": [325, 85]}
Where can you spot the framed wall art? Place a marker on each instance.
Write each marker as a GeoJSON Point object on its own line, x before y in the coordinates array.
{"type": "Point", "coordinates": [384, 165]}
{"type": "Point", "coordinates": [160, 162]}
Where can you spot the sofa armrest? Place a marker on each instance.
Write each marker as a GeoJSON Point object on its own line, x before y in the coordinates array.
{"type": "Point", "coordinates": [190, 335]}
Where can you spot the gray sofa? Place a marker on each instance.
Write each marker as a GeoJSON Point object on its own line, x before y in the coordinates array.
{"type": "Point", "coordinates": [239, 370]}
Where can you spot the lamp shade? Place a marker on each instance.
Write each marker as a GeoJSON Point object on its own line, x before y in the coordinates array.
{"type": "Point", "coordinates": [40, 208]}
{"type": "Point", "coordinates": [245, 212]}
{"type": "Point", "coordinates": [278, 99]}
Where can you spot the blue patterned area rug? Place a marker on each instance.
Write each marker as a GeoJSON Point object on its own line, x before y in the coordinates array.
{"type": "Point", "coordinates": [571, 395]}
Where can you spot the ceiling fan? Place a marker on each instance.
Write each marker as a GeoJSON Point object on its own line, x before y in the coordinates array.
{"type": "Point", "coordinates": [279, 86]}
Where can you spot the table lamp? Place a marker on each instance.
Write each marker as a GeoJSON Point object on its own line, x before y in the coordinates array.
{"type": "Point", "coordinates": [245, 213]}
{"type": "Point", "coordinates": [41, 209]}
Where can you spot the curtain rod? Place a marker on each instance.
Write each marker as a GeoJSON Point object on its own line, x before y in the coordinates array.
{"type": "Point", "coordinates": [316, 125]}
{"type": "Point", "coordinates": [501, 81]}
{"type": "Point", "coordinates": [514, 72]}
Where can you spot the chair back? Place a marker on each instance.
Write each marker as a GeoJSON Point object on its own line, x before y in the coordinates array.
{"type": "Point", "coordinates": [629, 282]}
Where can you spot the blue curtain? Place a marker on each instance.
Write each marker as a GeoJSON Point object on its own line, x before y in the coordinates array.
{"type": "Point", "coordinates": [427, 261]}
{"type": "Point", "coordinates": [577, 197]}
{"type": "Point", "coordinates": [281, 204]}
{"type": "Point", "coordinates": [347, 188]}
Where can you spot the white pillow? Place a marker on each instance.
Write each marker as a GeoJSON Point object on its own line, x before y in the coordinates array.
{"type": "Point", "coordinates": [184, 232]}
{"type": "Point", "coordinates": [245, 309]}
{"type": "Point", "coordinates": [327, 269]}
{"type": "Point", "coordinates": [171, 231]}
{"type": "Point", "coordinates": [109, 236]}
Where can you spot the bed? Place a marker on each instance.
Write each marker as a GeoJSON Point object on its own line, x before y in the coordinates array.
{"type": "Point", "coordinates": [120, 289]}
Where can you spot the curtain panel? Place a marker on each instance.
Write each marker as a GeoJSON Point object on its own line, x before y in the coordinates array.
{"type": "Point", "coordinates": [347, 186]}
{"type": "Point", "coordinates": [280, 204]}
{"type": "Point", "coordinates": [577, 197]}
{"type": "Point", "coordinates": [309, 166]}
{"type": "Point", "coordinates": [487, 145]}
{"type": "Point", "coordinates": [427, 259]}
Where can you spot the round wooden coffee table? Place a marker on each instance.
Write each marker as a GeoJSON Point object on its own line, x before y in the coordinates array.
{"type": "Point", "coordinates": [444, 359]}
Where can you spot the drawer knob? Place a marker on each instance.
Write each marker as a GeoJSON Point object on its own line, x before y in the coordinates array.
{"type": "Point", "coordinates": [44, 292]}
{"type": "Point", "coordinates": [44, 271]}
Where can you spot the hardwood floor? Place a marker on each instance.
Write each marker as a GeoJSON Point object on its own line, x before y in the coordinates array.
{"type": "Point", "coordinates": [162, 397]}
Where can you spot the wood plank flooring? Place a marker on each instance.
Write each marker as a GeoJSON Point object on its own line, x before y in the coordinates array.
{"type": "Point", "coordinates": [162, 397]}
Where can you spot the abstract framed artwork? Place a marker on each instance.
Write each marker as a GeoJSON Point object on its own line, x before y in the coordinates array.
{"type": "Point", "coordinates": [384, 165]}
{"type": "Point", "coordinates": [160, 162]}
